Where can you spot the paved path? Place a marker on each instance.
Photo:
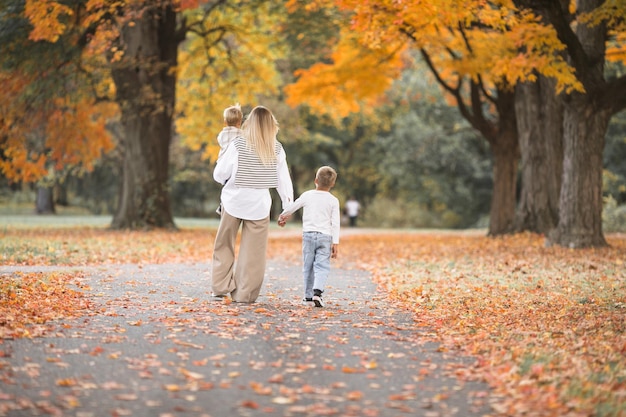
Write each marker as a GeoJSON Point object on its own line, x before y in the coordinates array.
{"type": "Point", "coordinates": [157, 345]}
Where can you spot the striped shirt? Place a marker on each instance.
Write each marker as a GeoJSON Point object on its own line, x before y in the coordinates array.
{"type": "Point", "coordinates": [252, 173]}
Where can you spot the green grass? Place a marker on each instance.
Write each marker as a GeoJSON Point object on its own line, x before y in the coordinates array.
{"type": "Point", "coordinates": [28, 221]}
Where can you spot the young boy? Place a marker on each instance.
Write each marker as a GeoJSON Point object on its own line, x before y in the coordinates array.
{"type": "Point", "coordinates": [320, 232]}
{"type": "Point", "coordinates": [233, 116]}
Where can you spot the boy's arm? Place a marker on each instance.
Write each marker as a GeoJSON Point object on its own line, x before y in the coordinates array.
{"type": "Point", "coordinates": [289, 210]}
{"type": "Point", "coordinates": [335, 222]}
{"type": "Point", "coordinates": [334, 251]}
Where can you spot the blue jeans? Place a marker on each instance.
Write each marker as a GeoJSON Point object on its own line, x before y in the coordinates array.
{"type": "Point", "coordinates": [316, 250]}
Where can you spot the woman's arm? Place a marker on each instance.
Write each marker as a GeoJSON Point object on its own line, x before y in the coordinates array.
{"type": "Point", "coordinates": [225, 165]}
{"type": "Point", "coordinates": [285, 186]}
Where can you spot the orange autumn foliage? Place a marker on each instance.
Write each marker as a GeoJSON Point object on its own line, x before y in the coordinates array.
{"type": "Point", "coordinates": [19, 162]}
{"type": "Point", "coordinates": [353, 82]}
{"type": "Point", "coordinates": [493, 41]}
{"type": "Point", "coordinates": [64, 132]}
{"type": "Point", "coordinates": [541, 321]}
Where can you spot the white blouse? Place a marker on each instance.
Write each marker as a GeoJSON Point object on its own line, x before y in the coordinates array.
{"type": "Point", "coordinates": [250, 203]}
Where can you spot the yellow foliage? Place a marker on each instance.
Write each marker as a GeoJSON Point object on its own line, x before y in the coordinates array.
{"type": "Point", "coordinates": [214, 72]}
{"type": "Point", "coordinates": [45, 16]}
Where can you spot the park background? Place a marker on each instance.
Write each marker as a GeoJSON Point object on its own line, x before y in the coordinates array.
{"type": "Point", "coordinates": [444, 116]}
{"type": "Point", "coordinates": [502, 117]}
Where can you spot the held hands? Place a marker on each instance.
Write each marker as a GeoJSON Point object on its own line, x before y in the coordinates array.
{"type": "Point", "coordinates": [282, 219]}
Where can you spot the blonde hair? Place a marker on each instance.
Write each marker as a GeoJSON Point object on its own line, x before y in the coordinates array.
{"type": "Point", "coordinates": [233, 115]}
{"type": "Point", "coordinates": [326, 177]}
{"type": "Point", "coordinates": [260, 129]}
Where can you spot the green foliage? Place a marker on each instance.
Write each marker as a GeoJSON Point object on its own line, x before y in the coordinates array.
{"type": "Point", "coordinates": [193, 191]}
{"type": "Point", "coordinates": [309, 35]}
{"type": "Point", "coordinates": [613, 216]}
{"type": "Point", "coordinates": [432, 159]}
{"type": "Point", "coordinates": [399, 213]}
{"type": "Point", "coordinates": [614, 179]}
{"type": "Point", "coordinates": [614, 176]}
{"type": "Point", "coordinates": [97, 191]}
{"type": "Point", "coordinates": [56, 64]}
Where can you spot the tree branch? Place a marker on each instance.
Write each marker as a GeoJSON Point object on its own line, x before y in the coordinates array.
{"type": "Point", "coordinates": [486, 93]}
{"type": "Point", "coordinates": [475, 117]}
{"type": "Point", "coordinates": [557, 16]}
{"type": "Point", "coordinates": [452, 90]}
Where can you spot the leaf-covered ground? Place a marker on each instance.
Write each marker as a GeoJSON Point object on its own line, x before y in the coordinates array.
{"type": "Point", "coordinates": [547, 324]}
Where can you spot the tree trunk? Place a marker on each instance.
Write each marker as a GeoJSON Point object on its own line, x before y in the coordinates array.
{"type": "Point", "coordinates": [505, 162]}
{"type": "Point", "coordinates": [540, 129]}
{"type": "Point", "coordinates": [580, 214]}
{"type": "Point", "coordinates": [504, 145]}
{"type": "Point", "coordinates": [145, 84]}
{"type": "Point", "coordinates": [585, 125]}
{"type": "Point", "coordinates": [45, 201]}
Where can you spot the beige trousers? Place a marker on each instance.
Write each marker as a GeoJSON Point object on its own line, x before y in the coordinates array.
{"type": "Point", "coordinates": [242, 279]}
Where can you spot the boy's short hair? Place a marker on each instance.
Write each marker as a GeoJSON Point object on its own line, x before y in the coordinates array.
{"type": "Point", "coordinates": [233, 115]}
{"type": "Point", "coordinates": [326, 176]}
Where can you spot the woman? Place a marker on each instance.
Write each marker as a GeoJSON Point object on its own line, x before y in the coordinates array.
{"type": "Point", "coordinates": [254, 163]}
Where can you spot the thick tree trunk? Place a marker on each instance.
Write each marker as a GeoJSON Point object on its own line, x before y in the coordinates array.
{"type": "Point", "coordinates": [580, 215]}
{"type": "Point", "coordinates": [585, 124]}
{"type": "Point", "coordinates": [540, 129]}
{"type": "Point", "coordinates": [45, 202]}
{"type": "Point", "coordinates": [145, 84]}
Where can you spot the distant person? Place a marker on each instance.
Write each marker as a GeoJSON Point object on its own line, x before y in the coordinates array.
{"type": "Point", "coordinates": [320, 232]}
{"type": "Point", "coordinates": [250, 166]}
{"type": "Point", "coordinates": [233, 116]}
{"type": "Point", "coordinates": [352, 208]}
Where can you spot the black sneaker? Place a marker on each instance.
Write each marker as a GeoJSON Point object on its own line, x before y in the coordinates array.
{"type": "Point", "coordinates": [317, 299]}
{"type": "Point", "coordinates": [307, 300]}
